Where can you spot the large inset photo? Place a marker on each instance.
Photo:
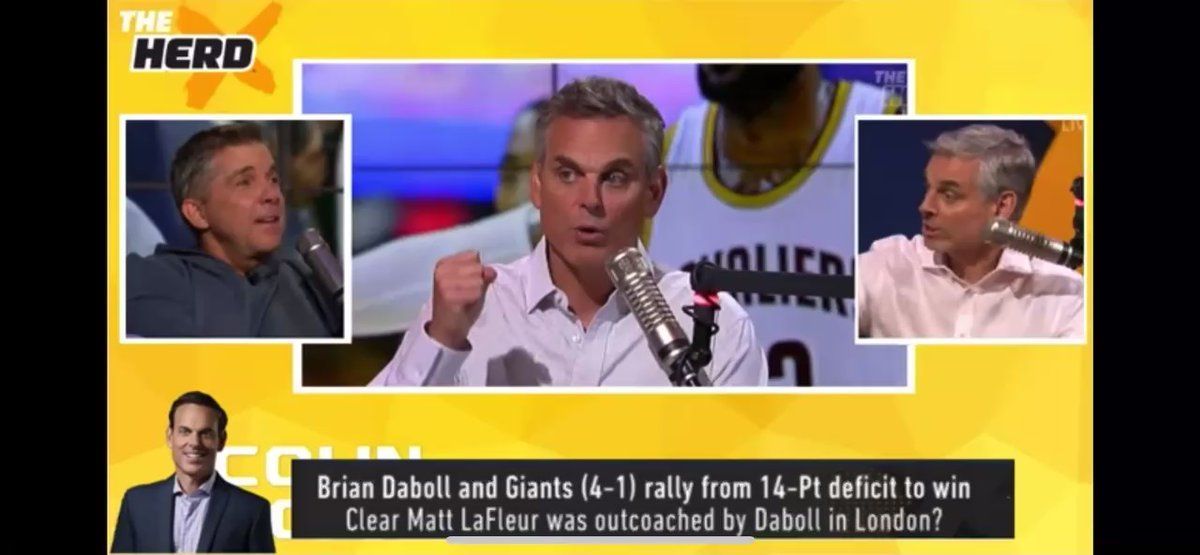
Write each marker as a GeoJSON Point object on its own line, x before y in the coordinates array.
{"type": "Point", "coordinates": [542, 224]}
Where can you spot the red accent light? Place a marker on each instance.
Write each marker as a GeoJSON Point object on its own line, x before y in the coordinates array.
{"type": "Point", "coordinates": [705, 299]}
{"type": "Point", "coordinates": [423, 216]}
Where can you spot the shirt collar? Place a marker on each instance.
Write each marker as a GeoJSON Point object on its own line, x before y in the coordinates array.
{"type": "Point", "coordinates": [1014, 261]}
{"type": "Point", "coordinates": [206, 487]}
{"type": "Point", "coordinates": [1010, 260]}
{"type": "Point", "coordinates": [539, 286]}
{"type": "Point", "coordinates": [929, 260]}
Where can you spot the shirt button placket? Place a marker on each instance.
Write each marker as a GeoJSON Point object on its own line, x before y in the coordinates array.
{"type": "Point", "coordinates": [576, 340]}
{"type": "Point", "coordinates": [964, 321]}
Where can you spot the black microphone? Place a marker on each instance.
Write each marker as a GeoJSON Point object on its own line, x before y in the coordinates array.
{"type": "Point", "coordinates": [707, 276]}
{"type": "Point", "coordinates": [633, 276]}
{"type": "Point", "coordinates": [1005, 233]}
{"type": "Point", "coordinates": [325, 266]}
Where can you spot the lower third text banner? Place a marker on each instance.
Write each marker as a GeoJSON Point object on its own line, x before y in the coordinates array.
{"type": "Point", "coordinates": [761, 498]}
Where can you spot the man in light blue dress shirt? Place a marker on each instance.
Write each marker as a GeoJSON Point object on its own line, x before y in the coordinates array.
{"type": "Point", "coordinates": [552, 318]}
{"type": "Point", "coordinates": [194, 510]}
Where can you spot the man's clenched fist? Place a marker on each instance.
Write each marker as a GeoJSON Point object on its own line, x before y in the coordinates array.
{"type": "Point", "coordinates": [459, 284]}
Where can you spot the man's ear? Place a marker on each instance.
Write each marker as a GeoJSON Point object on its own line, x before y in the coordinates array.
{"type": "Point", "coordinates": [535, 184]}
{"type": "Point", "coordinates": [657, 187]}
{"type": "Point", "coordinates": [194, 214]}
{"type": "Point", "coordinates": [1006, 205]}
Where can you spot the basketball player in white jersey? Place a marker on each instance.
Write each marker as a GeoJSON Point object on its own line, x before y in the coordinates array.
{"type": "Point", "coordinates": [761, 178]}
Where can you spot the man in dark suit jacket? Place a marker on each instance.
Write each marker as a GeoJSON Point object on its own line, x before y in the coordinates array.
{"type": "Point", "coordinates": [194, 510]}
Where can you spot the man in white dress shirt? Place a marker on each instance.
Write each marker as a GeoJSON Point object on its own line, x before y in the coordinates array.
{"type": "Point", "coordinates": [554, 317]}
{"type": "Point", "coordinates": [948, 282]}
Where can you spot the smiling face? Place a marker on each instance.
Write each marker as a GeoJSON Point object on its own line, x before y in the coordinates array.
{"type": "Point", "coordinates": [593, 188]}
{"type": "Point", "coordinates": [238, 212]}
{"type": "Point", "coordinates": [195, 441]}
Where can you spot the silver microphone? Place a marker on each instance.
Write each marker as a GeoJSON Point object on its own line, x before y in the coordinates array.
{"type": "Point", "coordinates": [1005, 233]}
{"type": "Point", "coordinates": [325, 266]}
{"type": "Point", "coordinates": [633, 276]}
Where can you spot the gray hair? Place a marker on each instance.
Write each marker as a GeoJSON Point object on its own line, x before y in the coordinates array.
{"type": "Point", "coordinates": [603, 97]}
{"type": "Point", "coordinates": [191, 162]}
{"type": "Point", "coordinates": [1006, 163]}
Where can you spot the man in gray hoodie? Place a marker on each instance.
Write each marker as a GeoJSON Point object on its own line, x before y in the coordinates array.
{"type": "Point", "coordinates": [226, 186]}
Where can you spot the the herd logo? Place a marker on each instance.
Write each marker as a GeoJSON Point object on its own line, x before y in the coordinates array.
{"type": "Point", "coordinates": [199, 47]}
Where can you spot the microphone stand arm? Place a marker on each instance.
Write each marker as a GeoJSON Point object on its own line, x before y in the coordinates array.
{"type": "Point", "coordinates": [708, 279]}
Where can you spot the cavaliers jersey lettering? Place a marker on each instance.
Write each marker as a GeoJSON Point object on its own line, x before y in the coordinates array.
{"type": "Point", "coordinates": [805, 224]}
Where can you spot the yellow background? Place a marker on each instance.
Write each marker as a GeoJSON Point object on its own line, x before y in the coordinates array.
{"type": "Point", "coordinates": [1031, 404]}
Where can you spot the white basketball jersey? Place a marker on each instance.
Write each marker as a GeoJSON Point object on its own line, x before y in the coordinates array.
{"type": "Point", "coordinates": [804, 225]}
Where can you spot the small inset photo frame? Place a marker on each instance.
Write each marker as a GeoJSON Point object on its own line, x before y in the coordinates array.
{"type": "Point", "coordinates": [970, 229]}
{"type": "Point", "coordinates": [234, 229]}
